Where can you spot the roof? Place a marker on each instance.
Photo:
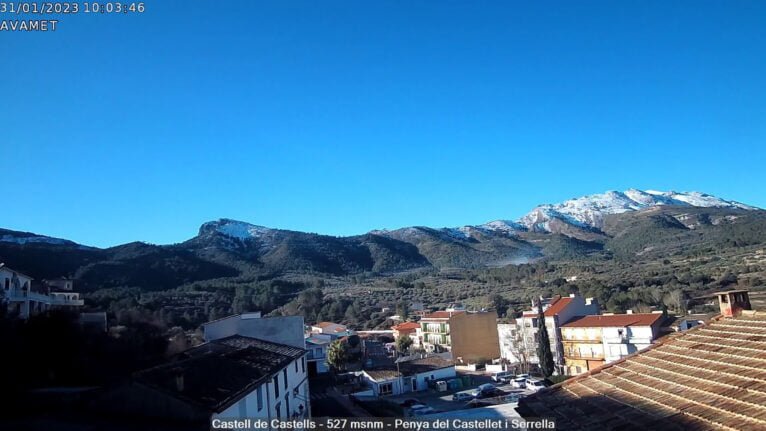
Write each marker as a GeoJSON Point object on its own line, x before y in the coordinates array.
{"type": "Point", "coordinates": [406, 326]}
{"type": "Point", "coordinates": [712, 376]}
{"type": "Point", "coordinates": [328, 324]}
{"type": "Point", "coordinates": [442, 314]}
{"type": "Point", "coordinates": [619, 320]}
{"type": "Point", "coordinates": [18, 273]}
{"type": "Point", "coordinates": [557, 306]}
{"type": "Point", "coordinates": [318, 341]}
{"type": "Point", "coordinates": [409, 368]}
{"type": "Point", "coordinates": [219, 373]}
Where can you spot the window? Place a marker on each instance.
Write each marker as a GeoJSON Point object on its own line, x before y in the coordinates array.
{"type": "Point", "coordinates": [296, 366]}
{"type": "Point", "coordinates": [284, 374]}
{"type": "Point", "coordinates": [278, 408]}
{"type": "Point", "coordinates": [287, 405]}
{"type": "Point", "coordinates": [276, 385]}
{"type": "Point", "coordinates": [259, 396]}
{"type": "Point", "coordinates": [724, 299]}
{"type": "Point", "coordinates": [303, 364]}
{"type": "Point", "coordinates": [386, 388]}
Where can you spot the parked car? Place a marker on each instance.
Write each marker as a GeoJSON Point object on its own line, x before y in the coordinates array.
{"type": "Point", "coordinates": [409, 402]}
{"type": "Point", "coordinates": [519, 382]}
{"type": "Point", "coordinates": [535, 385]}
{"type": "Point", "coordinates": [512, 398]}
{"type": "Point", "coordinates": [462, 396]}
{"type": "Point", "coordinates": [486, 387]}
{"type": "Point", "coordinates": [498, 377]}
{"type": "Point", "coordinates": [424, 411]}
{"type": "Point", "coordinates": [417, 407]}
{"type": "Point", "coordinates": [494, 392]}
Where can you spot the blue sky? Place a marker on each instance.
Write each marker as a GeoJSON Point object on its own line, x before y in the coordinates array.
{"type": "Point", "coordinates": [341, 117]}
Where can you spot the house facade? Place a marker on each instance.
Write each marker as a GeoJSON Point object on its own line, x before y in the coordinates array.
{"type": "Point", "coordinates": [316, 347]}
{"type": "Point", "coordinates": [474, 337]}
{"type": "Point", "coordinates": [556, 312]}
{"type": "Point", "coordinates": [507, 339]}
{"type": "Point", "coordinates": [408, 376]}
{"type": "Point", "coordinates": [592, 341]}
{"type": "Point", "coordinates": [23, 299]}
{"type": "Point", "coordinates": [407, 329]}
{"type": "Point", "coordinates": [434, 331]}
{"type": "Point", "coordinates": [470, 336]}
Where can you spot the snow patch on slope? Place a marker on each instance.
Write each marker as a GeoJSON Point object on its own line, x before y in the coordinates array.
{"type": "Point", "coordinates": [590, 210]}
{"type": "Point", "coordinates": [236, 229]}
{"type": "Point", "coordinates": [36, 239]}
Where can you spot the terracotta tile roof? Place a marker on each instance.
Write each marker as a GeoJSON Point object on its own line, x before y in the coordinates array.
{"type": "Point", "coordinates": [557, 306]}
{"type": "Point", "coordinates": [712, 377]}
{"type": "Point", "coordinates": [442, 314]}
{"type": "Point", "coordinates": [326, 324]}
{"type": "Point", "coordinates": [406, 326]}
{"type": "Point", "coordinates": [646, 319]}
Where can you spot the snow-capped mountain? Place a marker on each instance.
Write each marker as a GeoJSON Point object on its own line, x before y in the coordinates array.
{"type": "Point", "coordinates": [589, 211]}
{"type": "Point", "coordinates": [22, 238]}
{"type": "Point", "coordinates": [234, 229]}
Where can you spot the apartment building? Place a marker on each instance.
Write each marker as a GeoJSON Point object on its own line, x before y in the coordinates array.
{"type": "Point", "coordinates": [556, 312]}
{"type": "Point", "coordinates": [592, 341]}
{"type": "Point", "coordinates": [470, 336]}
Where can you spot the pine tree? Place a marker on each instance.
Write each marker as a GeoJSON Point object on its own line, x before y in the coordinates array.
{"type": "Point", "coordinates": [403, 344]}
{"type": "Point", "coordinates": [337, 355]}
{"type": "Point", "coordinates": [544, 354]}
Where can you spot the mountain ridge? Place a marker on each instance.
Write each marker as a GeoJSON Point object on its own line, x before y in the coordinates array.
{"type": "Point", "coordinates": [609, 224]}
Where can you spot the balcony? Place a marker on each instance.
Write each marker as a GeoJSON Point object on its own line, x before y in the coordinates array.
{"type": "Point", "coordinates": [66, 302]}
{"type": "Point", "coordinates": [584, 355]}
{"type": "Point", "coordinates": [596, 340]}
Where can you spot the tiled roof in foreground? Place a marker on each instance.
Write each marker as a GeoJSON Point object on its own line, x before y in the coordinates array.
{"type": "Point", "coordinates": [712, 377]}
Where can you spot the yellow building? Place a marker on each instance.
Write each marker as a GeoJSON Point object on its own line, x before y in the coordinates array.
{"type": "Point", "coordinates": [470, 336]}
{"type": "Point", "coordinates": [591, 341]}
{"type": "Point", "coordinates": [474, 336]}
{"type": "Point", "coordinates": [583, 349]}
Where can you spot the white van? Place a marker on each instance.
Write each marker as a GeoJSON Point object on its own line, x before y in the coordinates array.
{"type": "Point", "coordinates": [502, 376]}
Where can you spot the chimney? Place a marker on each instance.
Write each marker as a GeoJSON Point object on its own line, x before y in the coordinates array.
{"type": "Point", "coordinates": [733, 302]}
{"type": "Point", "coordinates": [629, 311]}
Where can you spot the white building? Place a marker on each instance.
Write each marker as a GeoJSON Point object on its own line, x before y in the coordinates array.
{"type": "Point", "coordinates": [556, 311]}
{"type": "Point", "coordinates": [22, 299]}
{"type": "Point", "coordinates": [317, 345]}
{"type": "Point", "coordinates": [592, 341]}
{"type": "Point", "coordinates": [229, 377]}
{"type": "Point", "coordinates": [408, 376]}
{"type": "Point", "coordinates": [507, 333]}
{"type": "Point", "coordinates": [336, 330]}
{"type": "Point", "coordinates": [281, 329]}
